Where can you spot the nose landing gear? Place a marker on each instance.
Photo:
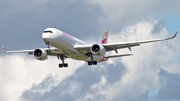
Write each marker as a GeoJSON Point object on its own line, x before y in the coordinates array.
{"type": "Point", "coordinates": [48, 50]}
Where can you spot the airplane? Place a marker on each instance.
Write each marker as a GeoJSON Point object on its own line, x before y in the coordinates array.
{"type": "Point", "coordinates": [68, 46]}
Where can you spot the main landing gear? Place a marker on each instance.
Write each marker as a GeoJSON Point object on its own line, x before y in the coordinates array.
{"type": "Point", "coordinates": [92, 62]}
{"type": "Point", "coordinates": [62, 57]}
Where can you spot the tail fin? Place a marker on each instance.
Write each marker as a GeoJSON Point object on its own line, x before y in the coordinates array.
{"type": "Point", "coordinates": [105, 37]}
{"type": "Point", "coordinates": [3, 48]}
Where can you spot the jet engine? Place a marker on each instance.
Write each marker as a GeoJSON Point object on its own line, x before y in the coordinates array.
{"type": "Point", "coordinates": [40, 54]}
{"type": "Point", "coordinates": [98, 49]}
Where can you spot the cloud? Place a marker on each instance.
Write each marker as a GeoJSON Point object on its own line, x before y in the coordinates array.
{"type": "Point", "coordinates": [115, 15]}
{"type": "Point", "coordinates": [78, 86]}
{"type": "Point", "coordinates": [170, 90]}
{"type": "Point", "coordinates": [19, 72]}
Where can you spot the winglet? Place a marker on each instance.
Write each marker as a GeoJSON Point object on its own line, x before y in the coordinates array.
{"type": "Point", "coordinates": [175, 35]}
{"type": "Point", "coordinates": [3, 48]}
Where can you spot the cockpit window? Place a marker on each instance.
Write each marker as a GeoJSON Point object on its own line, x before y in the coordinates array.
{"type": "Point", "coordinates": [48, 32]}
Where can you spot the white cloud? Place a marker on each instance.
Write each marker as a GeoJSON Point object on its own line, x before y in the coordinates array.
{"type": "Point", "coordinates": [19, 72]}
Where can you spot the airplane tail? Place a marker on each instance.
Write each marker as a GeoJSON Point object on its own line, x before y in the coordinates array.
{"type": "Point", "coordinates": [105, 37]}
{"type": "Point", "coordinates": [3, 48]}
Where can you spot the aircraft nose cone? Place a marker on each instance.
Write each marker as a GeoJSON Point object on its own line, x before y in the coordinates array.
{"type": "Point", "coordinates": [45, 37]}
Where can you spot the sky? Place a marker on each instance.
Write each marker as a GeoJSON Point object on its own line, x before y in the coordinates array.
{"type": "Point", "coordinates": [151, 74]}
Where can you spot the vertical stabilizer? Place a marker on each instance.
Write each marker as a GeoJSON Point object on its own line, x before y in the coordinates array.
{"type": "Point", "coordinates": [105, 37]}
{"type": "Point", "coordinates": [3, 48]}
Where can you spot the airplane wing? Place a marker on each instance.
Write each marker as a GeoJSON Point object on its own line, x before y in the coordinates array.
{"type": "Point", "coordinates": [21, 51]}
{"type": "Point", "coordinates": [54, 51]}
{"type": "Point", "coordinates": [114, 46]}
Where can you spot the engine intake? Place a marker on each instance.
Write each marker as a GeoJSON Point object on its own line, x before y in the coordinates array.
{"type": "Point", "coordinates": [40, 54]}
{"type": "Point", "coordinates": [98, 49]}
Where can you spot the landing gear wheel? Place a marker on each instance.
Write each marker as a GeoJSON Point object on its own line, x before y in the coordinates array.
{"type": "Point", "coordinates": [61, 66]}
{"type": "Point", "coordinates": [92, 63]}
{"type": "Point", "coordinates": [65, 65]}
{"type": "Point", "coordinates": [89, 63]}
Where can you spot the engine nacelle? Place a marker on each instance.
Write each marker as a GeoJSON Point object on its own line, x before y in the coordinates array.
{"type": "Point", "coordinates": [40, 54]}
{"type": "Point", "coordinates": [98, 49]}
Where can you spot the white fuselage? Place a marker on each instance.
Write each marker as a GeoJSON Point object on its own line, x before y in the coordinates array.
{"type": "Point", "coordinates": [66, 43]}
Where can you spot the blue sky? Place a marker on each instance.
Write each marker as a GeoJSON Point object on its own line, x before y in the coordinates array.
{"type": "Point", "coordinates": [172, 22]}
{"type": "Point", "coordinates": [151, 74]}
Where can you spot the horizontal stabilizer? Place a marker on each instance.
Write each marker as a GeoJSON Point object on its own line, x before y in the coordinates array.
{"type": "Point", "coordinates": [113, 56]}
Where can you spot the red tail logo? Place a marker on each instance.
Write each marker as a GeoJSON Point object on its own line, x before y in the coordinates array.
{"type": "Point", "coordinates": [3, 48]}
{"type": "Point", "coordinates": [105, 37]}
